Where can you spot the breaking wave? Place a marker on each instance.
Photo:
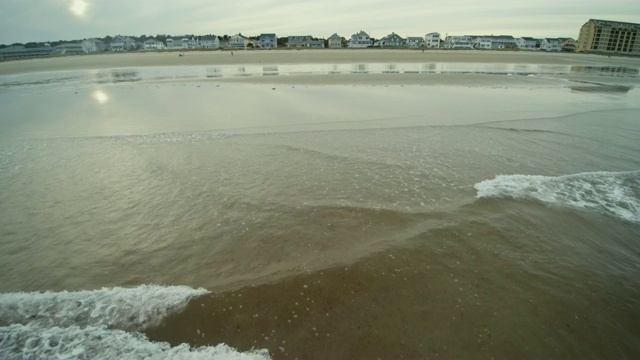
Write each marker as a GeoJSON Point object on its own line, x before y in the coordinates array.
{"type": "Point", "coordinates": [612, 193]}
{"type": "Point", "coordinates": [99, 324]}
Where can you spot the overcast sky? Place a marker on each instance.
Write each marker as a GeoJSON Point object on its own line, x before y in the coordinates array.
{"type": "Point", "coordinates": [52, 20]}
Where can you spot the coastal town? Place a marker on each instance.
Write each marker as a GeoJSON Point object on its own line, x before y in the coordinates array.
{"type": "Point", "coordinates": [597, 36]}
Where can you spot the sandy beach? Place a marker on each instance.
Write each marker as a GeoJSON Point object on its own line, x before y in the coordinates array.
{"type": "Point", "coordinates": [139, 59]}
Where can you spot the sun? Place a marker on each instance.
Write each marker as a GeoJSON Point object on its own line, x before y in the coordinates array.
{"type": "Point", "coordinates": [78, 7]}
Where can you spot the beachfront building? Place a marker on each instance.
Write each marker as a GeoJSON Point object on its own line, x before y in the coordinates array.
{"type": "Point", "coordinates": [122, 43]}
{"type": "Point", "coordinates": [458, 42]}
{"type": "Point", "coordinates": [68, 49]}
{"type": "Point", "coordinates": [208, 42]}
{"type": "Point", "coordinates": [177, 43]}
{"type": "Point", "coordinates": [390, 41]}
{"type": "Point", "coordinates": [482, 43]}
{"type": "Point", "coordinates": [414, 41]}
{"type": "Point", "coordinates": [551, 44]}
{"type": "Point", "coordinates": [432, 40]}
{"type": "Point", "coordinates": [298, 41]}
{"type": "Point", "coordinates": [318, 44]}
{"type": "Point", "coordinates": [304, 41]}
{"type": "Point", "coordinates": [200, 42]}
{"type": "Point", "coordinates": [17, 51]}
{"type": "Point", "coordinates": [238, 41]}
{"type": "Point", "coordinates": [503, 41]}
{"type": "Point", "coordinates": [359, 40]}
{"type": "Point", "coordinates": [609, 37]}
{"type": "Point", "coordinates": [153, 44]}
{"type": "Point", "coordinates": [93, 45]}
{"type": "Point", "coordinates": [334, 41]}
{"type": "Point", "coordinates": [527, 43]}
{"type": "Point", "coordinates": [492, 41]}
{"type": "Point", "coordinates": [268, 41]}
{"type": "Point", "coordinates": [568, 44]}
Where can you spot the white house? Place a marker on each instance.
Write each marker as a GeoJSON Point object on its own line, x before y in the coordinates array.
{"type": "Point", "coordinates": [503, 41]}
{"type": "Point", "coordinates": [568, 44]}
{"type": "Point", "coordinates": [335, 41]}
{"type": "Point", "coordinates": [482, 43]}
{"type": "Point", "coordinates": [93, 45]}
{"type": "Point", "coordinates": [432, 40]}
{"type": "Point", "coordinates": [208, 42]}
{"type": "Point", "coordinates": [527, 43]}
{"type": "Point", "coordinates": [493, 41]}
{"type": "Point", "coordinates": [359, 40]}
{"type": "Point", "coordinates": [153, 44]}
{"type": "Point", "coordinates": [551, 44]}
{"type": "Point", "coordinates": [201, 42]}
{"type": "Point", "coordinates": [268, 41]}
{"type": "Point", "coordinates": [458, 42]}
{"type": "Point", "coordinates": [178, 43]}
{"type": "Point", "coordinates": [238, 41]}
{"type": "Point", "coordinates": [121, 43]}
{"type": "Point", "coordinates": [88, 46]}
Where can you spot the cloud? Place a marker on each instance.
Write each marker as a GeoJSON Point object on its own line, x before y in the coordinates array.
{"type": "Point", "coordinates": [50, 20]}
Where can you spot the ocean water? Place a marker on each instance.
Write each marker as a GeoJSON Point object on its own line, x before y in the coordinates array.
{"type": "Point", "coordinates": [164, 213]}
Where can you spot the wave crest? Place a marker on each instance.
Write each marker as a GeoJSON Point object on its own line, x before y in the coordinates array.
{"type": "Point", "coordinates": [99, 324]}
{"type": "Point", "coordinates": [613, 193]}
{"type": "Point", "coordinates": [27, 342]}
{"type": "Point", "coordinates": [122, 308]}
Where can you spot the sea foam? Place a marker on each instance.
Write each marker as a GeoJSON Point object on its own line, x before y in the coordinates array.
{"type": "Point", "coordinates": [612, 193]}
{"type": "Point", "coordinates": [31, 342]}
{"type": "Point", "coordinates": [122, 308]}
{"type": "Point", "coordinates": [99, 324]}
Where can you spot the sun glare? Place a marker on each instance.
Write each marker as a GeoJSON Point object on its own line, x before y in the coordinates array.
{"type": "Point", "coordinates": [78, 7]}
{"type": "Point", "coordinates": [100, 96]}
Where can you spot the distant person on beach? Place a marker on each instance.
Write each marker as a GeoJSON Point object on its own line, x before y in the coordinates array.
{"type": "Point", "coordinates": [232, 53]}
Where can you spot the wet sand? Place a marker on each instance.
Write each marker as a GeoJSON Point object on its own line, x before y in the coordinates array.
{"type": "Point", "coordinates": [137, 59]}
{"type": "Point", "coordinates": [454, 296]}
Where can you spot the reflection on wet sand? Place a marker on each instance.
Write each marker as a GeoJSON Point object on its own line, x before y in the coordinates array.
{"type": "Point", "coordinates": [249, 70]}
{"type": "Point", "coordinates": [361, 69]}
{"type": "Point", "coordinates": [100, 96]}
{"type": "Point", "coordinates": [125, 76]}
{"type": "Point", "coordinates": [605, 70]}
{"type": "Point", "coordinates": [214, 72]}
{"type": "Point", "coordinates": [601, 88]}
{"type": "Point", "coordinates": [270, 70]}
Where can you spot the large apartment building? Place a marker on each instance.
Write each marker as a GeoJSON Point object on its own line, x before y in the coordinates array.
{"type": "Point", "coordinates": [609, 37]}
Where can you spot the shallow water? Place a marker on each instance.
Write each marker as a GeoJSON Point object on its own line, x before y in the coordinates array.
{"type": "Point", "coordinates": [325, 221]}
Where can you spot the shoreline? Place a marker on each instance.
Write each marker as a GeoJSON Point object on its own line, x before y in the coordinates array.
{"type": "Point", "coordinates": [328, 56]}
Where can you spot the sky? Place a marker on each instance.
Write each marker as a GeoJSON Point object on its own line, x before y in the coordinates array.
{"type": "Point", "coordinates": [52, 20]}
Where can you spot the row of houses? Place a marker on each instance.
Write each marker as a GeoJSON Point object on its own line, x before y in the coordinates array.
{"type": "Point", "coordinates": [357, 40]}
{"type": "Point", "coordinates": [595, 35]}
{"type": "Point", "coordinates": [393, 40]}
{"type": "Point", "coordinates": [508, 41]}
{"type": "Point", "coordinates": [18, 51]}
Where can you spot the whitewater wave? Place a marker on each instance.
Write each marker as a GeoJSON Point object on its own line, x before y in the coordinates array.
{"type": "Point", "coordinates": [611, 193]}
{"type": "Point", "coordinates": [121, 308]}
{"type": "Point", "coordinates": [99, 324]}
{"type": "Point", "coordinates": [27, 342]}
